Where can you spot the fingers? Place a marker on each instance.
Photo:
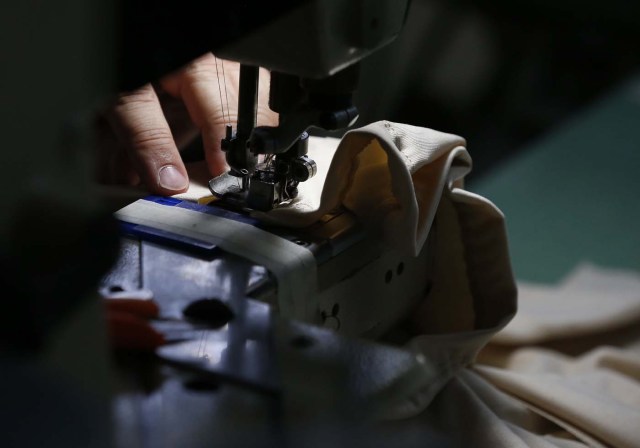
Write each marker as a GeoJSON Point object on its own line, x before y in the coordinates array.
{"type": "Point", "coordinates": [209, 88]}
{"type": "Point", "coordinates": [143, 131]}
{"type": "Point", "coordinates": [182, 127]}
{"type": "Point", "coordinates": [266, 117]}
{"type": "Point", "coordinates": [147, 146]}
{"type": "Point", "coordinates": [206, 101]}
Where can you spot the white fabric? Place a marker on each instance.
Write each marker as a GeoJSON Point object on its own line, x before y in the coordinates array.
{"type": "Point", "coordinates": [472, 412]}
{"type": "Point", "coordinates": [390, 175]}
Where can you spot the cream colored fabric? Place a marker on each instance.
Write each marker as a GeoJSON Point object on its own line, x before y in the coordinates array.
{"type": "Point", "coordinates": [577, 390]}
{"type": "Point", "coordinates": [472, 412]}
{"type": "Point", "coordinates": [472, 297]}
{"type": "Point", "coordinates": [390, 175]}
{"type": "Point", "coordinates": [597, 393]}
{"type": "Point", "coordinates": [589, 300]}
{"type": "Point", "coordinates": [583, 373]}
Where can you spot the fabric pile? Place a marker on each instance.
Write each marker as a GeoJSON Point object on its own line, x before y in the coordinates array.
{"type": "Point", "coordinates": [571, 357]}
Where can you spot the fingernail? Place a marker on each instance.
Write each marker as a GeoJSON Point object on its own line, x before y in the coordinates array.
{"type": "Point", "coordinates": [172, 179]}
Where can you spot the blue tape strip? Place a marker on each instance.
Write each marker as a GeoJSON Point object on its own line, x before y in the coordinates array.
{"type": "Point", "coordinates": [207, 209]}
{"type": "Point", "coordinates": [163, 200]}
{"type": "Point", "coordinates": [179, 241]}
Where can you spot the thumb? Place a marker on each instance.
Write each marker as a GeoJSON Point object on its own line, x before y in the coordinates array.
{"type": "Point", "coordinates": [143, 131]}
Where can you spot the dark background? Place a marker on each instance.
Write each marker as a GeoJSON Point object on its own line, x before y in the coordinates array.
{"type": "Point", "coordinates": [500, 73]}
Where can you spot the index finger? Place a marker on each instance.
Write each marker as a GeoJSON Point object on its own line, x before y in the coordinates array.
{"type": "Point", "coordinates": [209, 88]}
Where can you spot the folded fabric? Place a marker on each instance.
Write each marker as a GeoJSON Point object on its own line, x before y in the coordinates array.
{"type": "Point", "coordinates": [579, 380]}
{"type": "Point", "coordinates": [404, 182]}
{"type": "Point", "coordinates": [389, 175]}
{"type": "Point", "coordinates": [472, 412]}
{"type": "Point", "coordinates": [597, 393]}
{"type": "Point", "coordinates": [589, 300]}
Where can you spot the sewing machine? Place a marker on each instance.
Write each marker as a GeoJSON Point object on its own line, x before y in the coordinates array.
{"type": "Point", "coordinates": [355, 274]}
{"type": "Point", "coordinates": [283, 379]}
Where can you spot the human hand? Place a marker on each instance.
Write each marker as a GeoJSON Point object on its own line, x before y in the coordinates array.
{"type": "Point", "coordinates": [142, 133]}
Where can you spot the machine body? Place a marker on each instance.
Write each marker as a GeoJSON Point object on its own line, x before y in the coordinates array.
{"type": "Point", "coordinates": [276, 375]}
{"type": "Point", "coordinates": [313, 77]}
